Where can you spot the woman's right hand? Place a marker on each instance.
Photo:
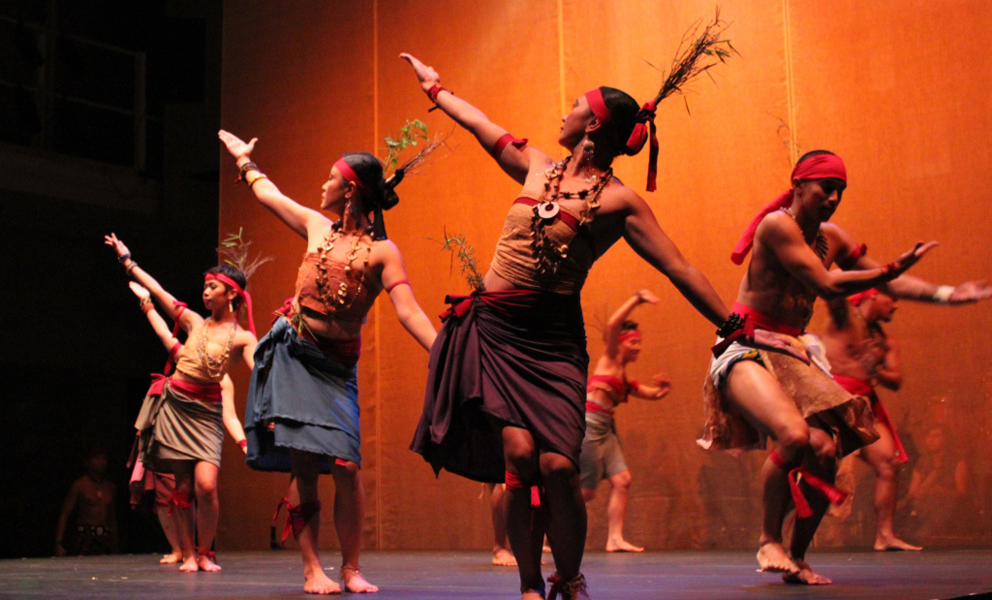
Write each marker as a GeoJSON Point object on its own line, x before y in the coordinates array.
{"type": "Point", "coordinates": [112, 241]}
{"type": "Point", "coordinates": [235, 145]}
{"type": "Point", "coordinates": [427, 75]}
{"type": "Point", "coordinates": [139, 290]}
{"type": "Point", "coordinates": [645, 296]}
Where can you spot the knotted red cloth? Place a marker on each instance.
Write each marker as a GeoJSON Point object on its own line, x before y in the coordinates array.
{"type": "Point", "coordinates": [803, 510]}
{"type": "Point", "coordinates": [645, 125]}
{"type": "Point", "coordinates": [820, 166]}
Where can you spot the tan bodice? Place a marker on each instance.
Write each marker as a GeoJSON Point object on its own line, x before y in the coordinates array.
{"type": "Point", "coordinates": [189, 362]}
{"type": "Point", "coordinates": [359, 296]}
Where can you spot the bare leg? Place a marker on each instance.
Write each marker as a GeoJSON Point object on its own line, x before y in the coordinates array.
{"type": "Point", "coordinates": [184, 518]}
{"type": "Point", "coordinates": [349, 514]}
{"type": "Point", "coordinates": [567, 524]}
{"type": "Point", "coordinates": [171, 534]}
{"type": "Point", "coordinates": [522, 528]}
{"type": "Point", "coordinates": [882, 457]}
{"type": "Point", "coordinates": [822, 464]}
{"type": "Point", "coordinates": [616, 511]}
{"type": "Point", "coordinates": [303, 490]}
{"type": "Point", "coordinates": [502, 556]}
{"type": "Point", "coordinates": [760, 397]}
{"type": "Point", "coordinates": [207, 512]}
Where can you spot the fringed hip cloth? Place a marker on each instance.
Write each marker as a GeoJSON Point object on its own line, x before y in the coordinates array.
{"type": "Point", "coordinates": [848, 417]}
{"type": "Point", "coordinates": [300, 399]}
{"type": "Point", "coordinates": [516, 357]}
{"type": "Point", "coordinates": [179, 420]}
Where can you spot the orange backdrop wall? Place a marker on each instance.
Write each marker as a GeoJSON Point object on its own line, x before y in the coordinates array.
{"type": "Point", "coordinates": [896, 88]}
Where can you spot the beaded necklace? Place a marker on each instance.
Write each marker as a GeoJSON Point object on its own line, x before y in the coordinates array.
{"type": "Point", "coordinates": [215, 366]}
{"type": "Point", "coordinates": [546, 252]}
{"type": "Point", "coordinates": [329, 297]}
{"type": "Point", "coordinates": [819, 245]}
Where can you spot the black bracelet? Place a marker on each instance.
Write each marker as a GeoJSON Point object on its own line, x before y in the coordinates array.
{"type": "Point", "coordinates": [123, 257]}
{"type": "Point", "coordinates": [130, 268]}
{"type": "Point", "coordinates": [732, 324]}
{"type": "Point", "coordinates": [248, 166]}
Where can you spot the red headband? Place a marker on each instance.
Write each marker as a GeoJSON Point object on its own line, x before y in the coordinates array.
{"type": "Point", "coordinates": [348, 173]}
{"type": "Point", "coordinates": [629, 334]}
{"type": "Point", "coordinates": [821, 166]}
{"type": "Point", "coordinates": [645, 125]}
{"type": "Point", "coordinates": [237, 288]}
{"type": "Point", "coordinates": [857, 299]}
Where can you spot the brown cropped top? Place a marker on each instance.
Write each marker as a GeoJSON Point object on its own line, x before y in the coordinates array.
{"type": "Point", "coordinates": [515, 259]}
{"type": "Point", "coordinates": [358, 300]}
{"type": "Point", "coordinates": [191, 365]}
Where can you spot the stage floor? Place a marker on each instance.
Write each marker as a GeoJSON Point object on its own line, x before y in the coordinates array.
{"type": "Point", "coordinates": [931, 574]}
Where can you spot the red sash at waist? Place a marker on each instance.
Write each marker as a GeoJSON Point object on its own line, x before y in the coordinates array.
{"type": "Point", "coordinates": [508, 299]}
{"type": "Point", "coordinates": [595, 407]}
{"type": "Point", "coordinates": [762, 321]}
{"type": "Point", "coordinates": [854, 385]}
{"type": "Point", "coordinates": [204, 392]}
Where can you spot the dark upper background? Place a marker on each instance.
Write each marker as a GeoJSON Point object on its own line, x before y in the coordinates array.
{"type": "Point", "coordinates": [108, 114]}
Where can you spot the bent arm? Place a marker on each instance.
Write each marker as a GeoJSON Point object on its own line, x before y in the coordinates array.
{"type": "Point", "coordinates": [662, 386]}
{"type": "Point", "coordinates": [645, 236]}
{"type": "Point", "coordinates": [612, 334]}
{"type": "Point", "coordinates": [889, 372]}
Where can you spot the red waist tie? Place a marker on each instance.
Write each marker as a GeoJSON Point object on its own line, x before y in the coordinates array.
{"type": "Point", "coordinates": [204, 392]}
{"type": "Point", "coordinates": [762, 321]}
{"type": "Point", "coordinates": [593, 407]}
{"type": "Point", "coordinates": [864, 388]}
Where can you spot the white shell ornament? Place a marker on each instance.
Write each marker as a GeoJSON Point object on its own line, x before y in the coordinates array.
{"type": "Point", "coordinates": [547, 210]}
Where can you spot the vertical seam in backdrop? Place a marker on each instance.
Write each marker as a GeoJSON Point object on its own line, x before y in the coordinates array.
{"type": "Point", "coordinates": [789, 87]}
{"type": "Point", "coordinates": [376, 338]}
{"type": "Point", "coordinates": [561, 56]}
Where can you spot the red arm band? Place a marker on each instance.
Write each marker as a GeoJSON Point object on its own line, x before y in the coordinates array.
{"type": "Point", "coordinates": [398, 283]}
{"type": "Point", "coordinates": [504, 141]}
{"type": "Point", "coordinates": [852, 257]}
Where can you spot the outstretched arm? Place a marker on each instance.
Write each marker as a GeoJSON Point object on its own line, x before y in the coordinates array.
{"type": "Point", "coordinates": [297, 217]}
{"type": "Point", "coordinates": [645, 236]}
{"type": "Point", "coordinates": [662, 385]}
{"type": "Point", "coordinates": [516, 162]}
{"type": "Point", "coordinates": [612, 334]}
{"type": "Point", "coordinates": [166, 300]}
{"type": "Point", "coordinates": [780, 233]}
{"type": "Point", "coordinates": [158, 324]}
{"type": "Point", "coordinates": [229, 414]}
{"type": "Point", "coordinates": [408, 311]}
{"type": "Point", "coordinates": [908, 287]}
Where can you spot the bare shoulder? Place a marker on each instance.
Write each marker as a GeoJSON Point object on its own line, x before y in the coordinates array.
{"type": "Point", "coordinates": [834, 232]}
{"type": "Point", "coordinates": [384, 250]}
{"type": "Point", "coordinates": [617, 197]}
{"type": "Point", "coordinates": [244, 337]}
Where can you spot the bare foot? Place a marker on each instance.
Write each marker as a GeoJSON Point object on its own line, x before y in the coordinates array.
{"type": "Point", "coordinates": [805, 576]}
{"type": "Point", "coordinates": [351, 578]}
{"type": "Point", "coordinates": [171, 559]}
{"type": "Point", "coordinates": [895, 544]}
{"type": "Point", "coordinates": [206, 563]}
{"type": "Point", "coordinates": [318, 583]}
{"type": "Point", "coordinates": [504, 558]}
{"type": "Point", "coordinates": [622, 546]}
{"type": "Point", "coordinates": [773, 559]}
{"type": "Point", "coordinates": [189, 565]}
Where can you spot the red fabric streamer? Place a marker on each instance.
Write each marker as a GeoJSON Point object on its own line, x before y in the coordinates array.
{"type": "Point", "coordinates": [821, 166]}
{"type": "Point", "coordinates": [237, 288]}
{"type": "Point", "coordinates": [297, 517]}
{"type": "Point", "coordinates": [863, 387]}
{"type": "Point", "coordinates": [803, 509]}
{"type": "Point", "coordinates": [645, 124]}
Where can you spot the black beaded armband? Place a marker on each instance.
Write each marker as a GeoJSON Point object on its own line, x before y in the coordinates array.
{"type": "Point", "coordinates": [248, 166]}
{"type": "Point", "coordinates": [732, 324]}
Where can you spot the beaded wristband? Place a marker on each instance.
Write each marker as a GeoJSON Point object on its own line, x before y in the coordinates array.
{"type": "Point", "coordinates": [243, 443]}
{"type": "Point", "coordinates": [248, 166]}
{"type": "Point", "coordinates": [146, 304]}
{"type": "Point", "coordinates": [732, 324]}
{"type": "Point", "coordinates": [123, 257]}
{"type": "Point", "coordinates": [433, 93]}
{"type": "Point", "coordinates": [130, 268]}
{"type": "Point", "coordinates": [889, 272]}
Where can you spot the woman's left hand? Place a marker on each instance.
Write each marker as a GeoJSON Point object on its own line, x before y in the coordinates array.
{"type": "Point", "coordinates": [112, 241]}
{"type": "Point", "coordinates": [427, 75]}
{"type": "Point", "coordinates": [235, 145]}
{"type": "Point", "coordinates": [139, 290]}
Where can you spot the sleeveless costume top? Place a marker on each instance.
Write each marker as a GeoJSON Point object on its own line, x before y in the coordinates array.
{"type": "Point", "coordinates": [515, 258]}
{"type": "Point", "coordinates": [358, 300]}
{"type": "Point", "coordinates": [190, 363]}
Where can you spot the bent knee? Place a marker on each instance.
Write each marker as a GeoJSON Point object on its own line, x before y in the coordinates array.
{"type": "Point", "coordinates": [556, 466]}
{"type": "Point", "coordinates": [621, 480]}
{"type": "Point", "coordinates": [794, 437]}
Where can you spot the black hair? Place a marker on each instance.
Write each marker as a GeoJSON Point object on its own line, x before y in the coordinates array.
{"type": "Point", "coordinates": [623, 118]}
{"type": "Point", "coordinates": [238, 277]}
{"type": "Point", "coordinates": [811, 154]}
{"type": "Point", "coordinates": [628, 326]}
{"type": "Point", "coordinates": [376, 193]}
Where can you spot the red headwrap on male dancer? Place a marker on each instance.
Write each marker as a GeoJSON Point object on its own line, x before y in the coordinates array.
{"type": "Point", "coordinates": [645, 123]}
{"type": "Point", "coordinates": [857, 299]}
{"type": "Point", "coordinates": [821, 166]}
{"type": "Point", "coordinates": [237, 288]}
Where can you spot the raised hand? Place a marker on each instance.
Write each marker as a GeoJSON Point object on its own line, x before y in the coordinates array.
{"type": "Point", "coordinates": [235, 145]}
{"type": "Point", "coordinates": [970, 291]}
{"type": "Point", "coordinates": [139, 290]}
{"type": "Point", "coordinates": [112, 241]}
{"type": "Point", "coordinates": [427, 75]}
{"type": "Point", "coordinates": [647, 297]}
{"type": "Point", "coordinates": [910, 257]}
